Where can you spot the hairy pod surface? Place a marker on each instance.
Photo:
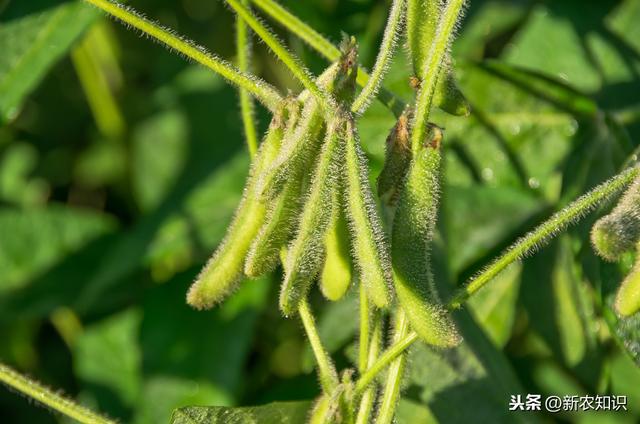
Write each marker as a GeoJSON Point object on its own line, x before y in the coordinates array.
{"type": "Point", "coordinates": [619, 232]}
{"type": "Point", "coordinates": [627, 300]}
{"type": "Point", "coordinates": [412, 234]}
{"type": "Point", "coordinates": [336, 275]}
{"type": "Point", "coordinates": [368, 242]}
{"type": "Point", "coordinates": [279, 222]}
{"type": "Point", "coordinates": [226, 266]}
{"type": "Point", "coordinates": [396, 162]}
{"type": "Point", "coordinates": [422, 23]}
{"type": "Point", "coordinates": [301, 147]}
{"type": "Point", "coordinates": [306, 252]}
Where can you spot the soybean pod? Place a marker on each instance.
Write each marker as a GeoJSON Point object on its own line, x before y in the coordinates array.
{"type": "Point", "coordinates": [225, 268]}
{"type": "Point", "coordinates": [306, 252]}
{"type": "Point", "coordinates": [413, 228]}
{"type": "Point", "coordinates": [423, 17]}
{"type": "Point", "coordinates": [369, 246]}
{"type": "Point", "coordinates": [627, 300]}
{"type": "Point", "coordinates": [335, 277]}
{"type": "Point", "coordinates": [396, 161]}
{"type": "Point", "coordinates": [619, 232]}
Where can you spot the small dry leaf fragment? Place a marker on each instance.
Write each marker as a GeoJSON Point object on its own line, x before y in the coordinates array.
{"type": "Point", "coordinates": [413, 229]}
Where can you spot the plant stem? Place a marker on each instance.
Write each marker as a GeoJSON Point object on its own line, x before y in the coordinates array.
{"type": "Point", "coordinates": [394, 376]}
{"type": "Point", "coordinates": [521, 248]}
{"type": "Point", "coordinates": [399, 346]}
{"type": "Point", "coordinates": [264, 92]}
{"type": "Point", "coordinates": [294, 65]}
{"type": "Point", "coordinates": [95, 85]}
{"type": "Point", "coordinates": [243, 46]}
{"type": "Point", "coordinates": [324, 47]}
{"type": "Point", "coordinates": [536, 238]}
{"type": "Point", "coordinates": [383, 60]}
{"type": "Point", "coordinates": [363, 344]}
{"type": "Point", "coordinates": [431, 71]}
{"type": "Point", "coordinates": [326, 369]}
{"type": "Point", "coordinates": [368, 397]}
{"type": "Point", "coordinates": [48, 398]}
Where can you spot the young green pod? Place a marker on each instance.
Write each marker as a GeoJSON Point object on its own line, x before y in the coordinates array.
{"type": "Point", "coordinates": [301, 146]}
{"type": "Point", "coordinates": [306, 252]}
{"type": "Point", "coordinates": [276, 230]}
{"type": "Point", "coordinates": [369, 247]}
{"type": "Point", "coordinates": [413, 228]}
{"type": "Point", "coordinates": [619, 232]}
{"type": "Point", "coordinates": [298, 151]}
{"type": "Point", "coordinates": [627, 300]}
{"type": "Point", "coordinates": [396, 161]}
{"type": "Point", "coordinates": [335, 277]}
{"type": "Point", "coordinates": [422, 22]}
{"type": "Point", "coordinates": [225, 268]}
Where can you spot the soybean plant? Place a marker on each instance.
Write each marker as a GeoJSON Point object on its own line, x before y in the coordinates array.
{"type": "Point", "coordinates": [309, 210]}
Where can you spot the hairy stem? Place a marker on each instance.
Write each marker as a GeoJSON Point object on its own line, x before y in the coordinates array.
{"type": "Point", "coordinates": [294, 65]}
{"type": "Point", "coordinates": [264, 92]}
{"type": "Point", "coordinates": [398, 347]}
{"type": "Point", "coordinates": [38, 392]}
{"type": "Point", "coordinates": [536, 238]}
{"type": "Point", "coordinates": [328, 375]}
{"type": "Point", "coordinates": [243, 46]}
{"type": "Point", "coordinates": [431, 71]}
{"type": "Point", "coordinates": [369, 396]}
{"type": "Point", "coordinates": [324, 47]}
{"type": "Point", "coordinates": [394, 376]}
{"type": "Point", "coordinates": [383, 60]}
{"type": "Point", "coordinates": [363, 343]}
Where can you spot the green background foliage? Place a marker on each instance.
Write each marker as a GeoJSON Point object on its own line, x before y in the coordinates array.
{"type": "Point", "coordinates": [105, 218]}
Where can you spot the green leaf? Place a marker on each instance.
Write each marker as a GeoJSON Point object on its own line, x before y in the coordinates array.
{"type": "Point", "coordinates": [108, 354]}
{"type": "Point", "coordinates": [35, 239]}
{"type": "Point", "coordinates": [34, 35]}
{"type": "Point", "coordinates": [277, 412]}
{"type": "Point", "coordinates": [479, 218]}
{"type": "Point", "coordinates": [495, 306]}
{"type": "Point", "coordinates": [162, 394]}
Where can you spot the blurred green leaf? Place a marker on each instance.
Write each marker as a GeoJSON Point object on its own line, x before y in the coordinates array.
{"type": "Point", "coordinates": [277, 412]}
{"type": "Point", "coordinates": [495, 306]}
{"type": "Point", "coordinates": [35, 239]}
{"type": "Point", "coordinates": [161, 395]}
{"type": "Point", "coordinates": [34, 35]}
{"type": "Point", "coordinates": [108, 354]}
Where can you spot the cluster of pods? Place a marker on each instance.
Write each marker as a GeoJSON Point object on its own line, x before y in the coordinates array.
{"type": "Point", "coordinates": [616, 234]}
{"type": "Point", "coordinates": [308, 205]}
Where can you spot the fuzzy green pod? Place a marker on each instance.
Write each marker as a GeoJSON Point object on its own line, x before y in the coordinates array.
{"type": "Point", "coordinates": [301, 146]}
{"type": "Point", "coordinates": [306, 252]}
{"type": "Point", "coordinates": [298, 151]}
{"type": "Point", "coordinates": [276, 230]}
{"type": "Point", "coordinates": [225, 268]}
{"type": "Point", "coordinates": [422, 23]}
{"type": "Point", "coordinates": [619, 232]}
{"type": "Point", "coordinates": [368, 243]}
{"type": "Point", "coordinates": [335, 277]}
{"type": "Point", "coordinates": [396, 161]}
{"type": "Point", "coordinates": [627, 300]}
{"type": "Point", "coordinates": [323, 411]}
{"type": "Point", "coordinates": [413, 228]}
